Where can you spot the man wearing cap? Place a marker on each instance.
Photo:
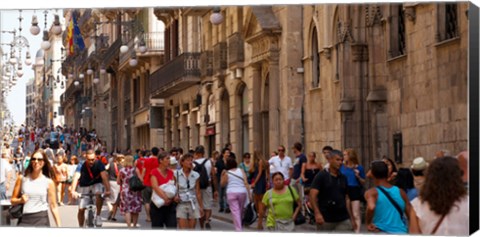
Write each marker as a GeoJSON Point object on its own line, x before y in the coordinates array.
{"type": "Point", "coordinates": [418, 168]}
{"type": "Point", "coordinates": [206, 193]}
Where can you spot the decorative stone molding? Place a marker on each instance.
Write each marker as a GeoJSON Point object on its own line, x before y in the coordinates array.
{"type": "Point", "coordinates": [265, 48]}
{"type": "Point", "coordinates": [359, 52]}
{"type": "Point", "coordinates": [346, 106]}
{"type": "Point", "coordinates": [344, 32]}
{"type": "Point", "coordinates": [378, 99]}
{"type": "Point", "coordinates": [327, 52]}
{"type": "Point", "coordinates": [410, 11]}
{"type": "Point", "coordinates": [373, 15]}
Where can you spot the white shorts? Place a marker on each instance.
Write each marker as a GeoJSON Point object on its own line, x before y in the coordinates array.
{"type": "Point", "coordinates": [85, 200]}
{"type": "Point", "coordinates": [207, 198]}
{"type": "Point", "coordinates": [185, 210]}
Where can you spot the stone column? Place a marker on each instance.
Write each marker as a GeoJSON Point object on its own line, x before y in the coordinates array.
{"type": "Point", "coordinates": [274, 96]}
{"type": "Point", "coordinates": [256, 109]}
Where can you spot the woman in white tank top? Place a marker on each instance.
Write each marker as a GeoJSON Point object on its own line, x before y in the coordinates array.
{"type": "Point", "coordinates": [36, 190]}
{"type": "Point", "coordinates": [237, 190]}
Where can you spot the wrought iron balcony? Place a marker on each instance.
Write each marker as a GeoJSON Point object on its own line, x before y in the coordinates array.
{"type": "Point", "coordinates": [220, 57]}
{"type": "Point", "coordinates": [235, 49]}
{"type": "Point", "coordinates": [154, 41]}
{"type": "Point", "coordinates": [112, 52]}
{"type": "Point", "coordinates": [70, 93]}
{"type": "Point", "coordinates": [206, 63]}
{"type": "Point", "coordinates": [176, 75]}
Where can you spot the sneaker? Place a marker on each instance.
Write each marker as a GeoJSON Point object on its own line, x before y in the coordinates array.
{"type": "Point", "coordinates": [98, 221]}
{"type": "Point", "coordinates": [221, 210]}
{"type": "Point", "coordinates": [227, 210]}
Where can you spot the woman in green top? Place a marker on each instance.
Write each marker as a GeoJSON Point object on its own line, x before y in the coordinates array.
{"type": "Point", "coordinates": [279, 201]}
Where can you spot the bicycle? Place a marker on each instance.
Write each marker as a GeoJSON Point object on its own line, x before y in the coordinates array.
{"type": "Point", "coordinates": [91, 208]}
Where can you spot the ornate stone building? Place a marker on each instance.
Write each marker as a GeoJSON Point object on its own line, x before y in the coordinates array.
{"type": "Point", "coordinates": [388, 80]}
{"type": "Point", "coordinates": [384, 79]}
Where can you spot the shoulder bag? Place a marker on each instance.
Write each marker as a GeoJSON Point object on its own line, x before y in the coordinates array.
{"type": "Point", "coordinates": [300, 219]}
{"type": "Point", "coordinates": [16, 211]}
{"type": "Point", "coordinates": [135, 184]}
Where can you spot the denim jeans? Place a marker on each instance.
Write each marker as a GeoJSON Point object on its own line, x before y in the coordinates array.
{"type": "Point", "coordinates": [222, 197]}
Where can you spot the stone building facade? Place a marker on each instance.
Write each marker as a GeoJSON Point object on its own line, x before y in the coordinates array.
{"type": "Point", "coordinates": [384, 79]}
{"type": "Point", "coordinates": [387, 80]}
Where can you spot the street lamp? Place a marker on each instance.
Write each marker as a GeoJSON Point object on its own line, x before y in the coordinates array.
{"type": "Point", "coordinates": [216, 18]}
{"type": "Point", "coordinates": [34, 29]}
{"type": "Point", "coordinates": [45, 45]}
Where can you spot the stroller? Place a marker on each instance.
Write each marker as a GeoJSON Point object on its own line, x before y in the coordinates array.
{"type": "Point", "coordinates": [309, 213]}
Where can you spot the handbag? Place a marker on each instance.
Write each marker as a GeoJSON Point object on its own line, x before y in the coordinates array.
{"type": "Point", "coordinates": [16, 211]}
{"type": "Point", "coordinates": [300, 219]}
{"type": "Point", "coordinates": [135, 184]}
{"type": "Point", "coordinates": [249, 215]}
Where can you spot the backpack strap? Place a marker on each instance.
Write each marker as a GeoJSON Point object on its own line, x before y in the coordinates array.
{"type": "Point", "coordinates": [395, 204]}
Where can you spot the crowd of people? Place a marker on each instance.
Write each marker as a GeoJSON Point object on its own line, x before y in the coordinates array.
{"type": "Point", "coordinates": [178, 189]}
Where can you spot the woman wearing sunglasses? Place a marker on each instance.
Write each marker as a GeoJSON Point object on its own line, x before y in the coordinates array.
{"type": "Point", "coordinates": [36, 191]}
{"type": "Point", "coordinates": [190, 207]}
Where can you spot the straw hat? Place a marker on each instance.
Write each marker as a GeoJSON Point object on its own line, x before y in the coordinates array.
{"type": "Point", "coordinates": [419, 164]}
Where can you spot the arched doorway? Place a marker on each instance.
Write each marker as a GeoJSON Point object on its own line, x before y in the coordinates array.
{"type": "Point", "coordinates": [224, 118]}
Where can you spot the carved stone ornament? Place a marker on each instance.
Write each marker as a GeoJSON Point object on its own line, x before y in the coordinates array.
{"type": "Point", "coordinates": [344, 32]}
{"type": "Point", "coordinates": [265, 48]}
{"type": "Point", "coordinates": [373, 15]}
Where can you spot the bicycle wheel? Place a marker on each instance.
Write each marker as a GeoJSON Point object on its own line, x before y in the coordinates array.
{"type": "Point", "coordinates": [90, 219]}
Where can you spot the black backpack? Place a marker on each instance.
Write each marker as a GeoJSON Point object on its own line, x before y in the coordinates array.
{"type": "Point", "coordinates": [200, 168]}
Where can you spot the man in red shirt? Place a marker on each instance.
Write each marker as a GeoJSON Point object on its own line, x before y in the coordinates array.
{"type": "Point", "coordinates": [143, 168]}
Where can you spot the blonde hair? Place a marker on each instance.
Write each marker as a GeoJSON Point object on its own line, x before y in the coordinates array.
{"type": "Point", "coordinates": [352, 156]}
{"type": "Point", "coordinates": [128, 161]}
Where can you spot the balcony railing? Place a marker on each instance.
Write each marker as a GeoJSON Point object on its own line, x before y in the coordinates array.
{"type": "Point", "coordinates": [220, 57]}
{"type": "Point", "coordinates": [176, 75]}
{"type": "Point", "coordinates": [112, 52]}
{"type": "Point", "coordinates": [70, 92]}
{"type": "Point", "coordinates": [154, 41]}
{"type": "Point", "coordinates": [206, 63]}
{"type": "Point", "coordinates": [235, 49]}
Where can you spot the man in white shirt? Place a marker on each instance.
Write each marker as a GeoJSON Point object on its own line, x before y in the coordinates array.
{"type": "Point", "coordinates": [5, 176]}
{"type": "Point", "coordinates": [199, 158]}
{"type": "Point", "coordinates": [282, 163]}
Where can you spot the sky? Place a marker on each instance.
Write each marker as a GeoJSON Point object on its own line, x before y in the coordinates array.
{"type": "Point", "coordinates": [9, 20]}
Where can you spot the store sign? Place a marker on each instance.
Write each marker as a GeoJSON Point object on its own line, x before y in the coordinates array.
{"type": "Point", "coordinates": [210, 131]}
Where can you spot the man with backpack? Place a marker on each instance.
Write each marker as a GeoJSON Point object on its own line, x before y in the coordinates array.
{"type": "Point", "coordinates": [203, 166]}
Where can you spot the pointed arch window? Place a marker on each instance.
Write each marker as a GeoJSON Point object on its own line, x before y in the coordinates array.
{"type": "Point", "coordinates": [315, 60]}
{"type": "Point", "coordinates": [397, 32]}
{"type": "Point", "coordinates": [447, 21]}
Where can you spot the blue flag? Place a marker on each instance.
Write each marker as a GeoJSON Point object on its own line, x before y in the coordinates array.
{"type": "Point", "coordinates": [77, 36]}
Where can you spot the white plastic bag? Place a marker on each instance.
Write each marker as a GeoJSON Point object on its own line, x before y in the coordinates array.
{"type": "Point", "coordinates": [169, 189]}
